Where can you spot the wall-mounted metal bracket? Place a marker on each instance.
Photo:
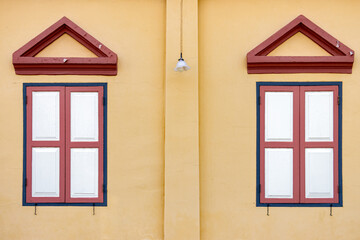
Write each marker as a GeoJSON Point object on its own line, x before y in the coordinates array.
{"type": "Point", "coordinates": [331, 210]}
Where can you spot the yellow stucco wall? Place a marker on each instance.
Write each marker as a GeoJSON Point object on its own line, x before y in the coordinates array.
{"type": "Point", "coordinates": [227, 31]}
{"type": "Point", "coordinates": [181, 146]}
{"type": "Point", "coordinates": [135, 30]}
{"type": "Point", "coordinates": [181, 172]}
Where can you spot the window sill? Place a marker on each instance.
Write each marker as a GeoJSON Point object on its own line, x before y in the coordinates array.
{"type": "Point", "coordinates": [104, 204]}
{"type": "Point", "coordinates": [299, 204]}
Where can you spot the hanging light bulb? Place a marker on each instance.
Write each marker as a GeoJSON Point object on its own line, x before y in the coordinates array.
{"type": "Point", "coordinates": [181, 64]}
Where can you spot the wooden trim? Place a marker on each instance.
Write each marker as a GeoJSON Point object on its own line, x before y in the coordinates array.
{"type": "Point", "coordinates": [294, 144]}
{"type": "Point", "coordinates": [25, 62]}
{"type": "Point", "coordinates": [334, 144]}
{"type": "Point", "coordinates": [99, 144]}
{"type": "Point", "coordinates": [341, 60]}
{"type": "Point", "coordinates": [30, 144]}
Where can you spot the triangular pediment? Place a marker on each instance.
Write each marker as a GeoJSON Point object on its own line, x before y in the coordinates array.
{"type": "Point", "coordinates": [26, 62]}
{"type": "Point", "coordinates": [340, 59]}
{"type": "Point", "coordinates": [65, 46]}
{"type": "Point", "coordinates": [299, 45]}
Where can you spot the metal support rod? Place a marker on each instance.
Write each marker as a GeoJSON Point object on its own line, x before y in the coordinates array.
{"type": "Point", "coordinates": [93, 208]}
{"type": "Point", "coordinates": [267, 210]}
{"type": "Point", "coordinates": [35, 209]}
{"type": "Point", "coordinates": [331, 210]}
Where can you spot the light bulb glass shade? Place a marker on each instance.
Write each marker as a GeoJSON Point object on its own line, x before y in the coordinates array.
{"type": "Point", "coordinates": [181, 66]}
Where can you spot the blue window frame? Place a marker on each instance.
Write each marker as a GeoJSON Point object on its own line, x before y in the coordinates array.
{"type": "Point", "coordinates": [104, 86]}
{"type": "Point", "coordinates": [258, 149]}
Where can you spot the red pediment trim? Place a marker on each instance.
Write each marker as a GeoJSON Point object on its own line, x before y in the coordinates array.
{"type": "Point", "coordinates": [341, 60]}
{"type": "Point", "coordinates": [25, 62]}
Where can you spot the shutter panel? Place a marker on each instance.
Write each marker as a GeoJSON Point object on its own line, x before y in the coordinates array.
{"type": "Point", "coordinates": [319, 175]}
{"type": "Point", "coordinates": [45, 172]}
{"type": "Point", "coordinates": [45, 144]}
{"type": "Point", "coordinates": [279, 144]}
{"type": "Point", "coordinates": [84, 116]}
{"type": "Point", "coordinates": [278, 173]}
{"type": "Point", "coordinates": [84, 146]}
{"type": "Point", "coordinates": [319, 144]}
{"type": "Point", "coordinates": [84, 170]}
{"type": "Point", "coordinates": [45, 119]}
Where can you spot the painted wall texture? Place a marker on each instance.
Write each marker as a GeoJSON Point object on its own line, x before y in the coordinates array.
{"type": "Point", "coordinates": [181, 146]}
{"type": "Point", "coordinates": [228, 30]}
{"type": "Point", "coordinates": [135, 30]}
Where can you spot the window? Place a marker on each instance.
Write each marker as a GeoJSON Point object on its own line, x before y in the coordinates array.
{"type": "Point", "coordinates": [299, 144]}
{"type": "Point", "coordinates": [65, 144]}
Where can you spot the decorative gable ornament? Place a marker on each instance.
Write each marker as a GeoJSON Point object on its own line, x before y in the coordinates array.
{"type": "Point", "coordinates": [25, 62]}
{"type": "Point", "coordinates": [341, 61]}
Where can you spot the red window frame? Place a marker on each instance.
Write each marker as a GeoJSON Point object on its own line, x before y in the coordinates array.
{"type": "Point", "coordinates": [64, 144]}
{"type": "Point", "coordinates": [98, 144]}
{"type": "Point", "coordinates": [30, 144]}
{"type": "Point", "coordinates": [299, 143]}
{"type": "Point", "coordinates": [294, 144]}
{"type": "Point", "coordinates": [334, 144]}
